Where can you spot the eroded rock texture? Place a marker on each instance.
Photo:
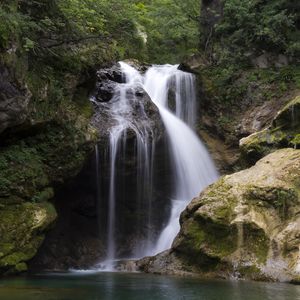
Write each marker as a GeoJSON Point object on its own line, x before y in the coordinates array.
{"type": "Point", "coordinates": [245, 225]}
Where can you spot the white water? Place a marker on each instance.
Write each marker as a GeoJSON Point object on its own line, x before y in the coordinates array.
{"type": "Point", "coordinates": [193, 167]}
{"type": "Point", "coordinates": [122, 109]}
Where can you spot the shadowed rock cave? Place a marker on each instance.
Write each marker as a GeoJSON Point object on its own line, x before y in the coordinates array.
{"type": "Point", "coordinates": [79, 237]}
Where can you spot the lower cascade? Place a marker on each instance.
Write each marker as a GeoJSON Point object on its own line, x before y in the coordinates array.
{"type": "Point", "coordinates": [134, 141]}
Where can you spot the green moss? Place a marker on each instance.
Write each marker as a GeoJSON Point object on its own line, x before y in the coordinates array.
{"type": "Point", "coordinates": [14, 259]}
{"type": "Point", "coordinates": [296, 141]}
{"type": "Point", "coordinates": [22, 172]}
{"type": "Point", "coordinates": [209, 239]}
{"type": "Point", "coordinates": [22, 230]}
{"type": "Point", "coordinates": [47, 93]}
{"type": "Point", "coordinates": [82, 103]}
{"type": "Point", "coordinates": [195, 235]}
{"type": "Point", "coordinates": [21, 267]}
{"type": "Point", "coordinates": [256, 242]}
{"type": "Point", "coordinates": [219, 194]}
{"type": "Point", "coordinates": [279, 198]}
{"type": "Point", "coordinates": [44, 195]}
{"type": "Point", "coordinates": [193, 247]}
{"type": "Point", "coordinates": [62, 149]}
{"type": "Point", "coordinates": [264, 142]}
{"type": "Point", "coordinates": [30, 167]}
{"type": "Point", "coordinates": [251, 272]}
{"type": "Point", "coordinates": [5, 248]}
{"type": "Point", "coordinates": [289, 117]}
{"type": "Point", "coordinates": [284, 132]}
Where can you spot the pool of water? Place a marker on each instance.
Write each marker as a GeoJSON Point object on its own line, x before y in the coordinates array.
{"type": "Point", "coordinates": [121, 286]}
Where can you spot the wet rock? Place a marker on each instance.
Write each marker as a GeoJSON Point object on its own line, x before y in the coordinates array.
{"type": "Point", "coordinates": [107, 81]}
{"type": "Point", "coordinates": [105, 90]}
{"type": "Point", "coordinates": [139, 109]}
{"type": "Point", "coordinates": [114, 74]}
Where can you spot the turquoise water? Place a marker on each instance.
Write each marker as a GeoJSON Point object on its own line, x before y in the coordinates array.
{"type": "Point", "coordinates": [118, 286]}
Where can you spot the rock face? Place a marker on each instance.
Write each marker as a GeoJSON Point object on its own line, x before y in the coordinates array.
{"type": "Point", "coordinates": [139, 109]}
{"type": "Point", "coordinates": [107, 80]}
{"type": "Point", "coordinates": [45, 137]}
{"type": "Point", "coordinates": [284, 131]}
{"type": "Point", "coordinates": [22, 231]}
{"type": "Point", "coordinates": [75, 240]}
{"type": "Point", "coordinates": [14, 100]}
{"type": "Point", "coordinates": [245, 225]}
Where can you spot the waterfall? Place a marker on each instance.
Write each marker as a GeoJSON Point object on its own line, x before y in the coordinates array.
{"type": "Point", "coordinates": [122, 110]}
{"type": "Point", "coordinates": [193, 167]}
{"type": "Point", "coordinates": [114, 141]}
{"type": "Point", "coordinates": [173, 93]}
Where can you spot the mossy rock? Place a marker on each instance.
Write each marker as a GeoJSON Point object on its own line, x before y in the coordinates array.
{"type": "Point", "coordinates": [31, 167]}
{"type": "Point", "coordinates": [22, 230]}
{"type": "Point", "coordinates": [22, 172]}
{"type": "Point", "coordinates": [289, 116]}
{"type": "Point", "coordinates": [283, 132]}
{"type": "Point", "coordinates": [245, 221]}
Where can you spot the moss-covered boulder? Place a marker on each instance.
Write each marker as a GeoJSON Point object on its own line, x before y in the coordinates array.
{"type": "Point", "coordinates": [283, 132]}
{"type": "Point", "coordinates": [22, 230]}
{"type": "Point", "coordinates": [245, 225]}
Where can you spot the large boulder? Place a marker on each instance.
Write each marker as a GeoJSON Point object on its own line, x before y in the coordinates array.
{"type": "Point", "coordinates": [245, 225]}
{"type": "Point", "coordinates": [22, 231]}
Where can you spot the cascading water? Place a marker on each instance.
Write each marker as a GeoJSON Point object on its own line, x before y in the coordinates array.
{"type": "Point", "coordinates": [173, 93]}
{"type": "Point", "coordinates": [193, 167]}
{"type": "Point", "coordinates": [122, 109]}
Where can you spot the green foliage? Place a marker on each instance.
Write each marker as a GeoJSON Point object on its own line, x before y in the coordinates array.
{"type": "Point", "coordinates": [170, 27]}
{"type": "Point", "coordinates": [21, 172]}
{"type": "Point", "coordinates": [257, 25]}
{"type": "Point", "coordinates": [73, 33]}
{"type": "Point", "coordinates": [228, 83]}
{"type": "Point", "coordinates": [12, 24]}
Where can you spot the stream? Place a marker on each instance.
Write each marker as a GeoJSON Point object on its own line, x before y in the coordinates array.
{"type": "Point", "coordinates": [134, 286]}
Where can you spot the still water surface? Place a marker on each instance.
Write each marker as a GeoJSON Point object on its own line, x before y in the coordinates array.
{"type": "Point", "coordinates": [118, 286]}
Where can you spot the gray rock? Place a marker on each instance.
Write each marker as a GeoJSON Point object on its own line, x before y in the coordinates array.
{"type": "Point", "coordinates": [105, 90]}
{"type": "Point", "coordinates": [141, 111]}
{"type": "Point", "coordinates": [114, 74]}
{"type": "Point", "coordinates": [14, 100]}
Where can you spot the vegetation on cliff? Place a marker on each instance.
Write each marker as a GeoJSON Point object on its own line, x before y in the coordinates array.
{"type": "Point", "coordinates": [248, 67]}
